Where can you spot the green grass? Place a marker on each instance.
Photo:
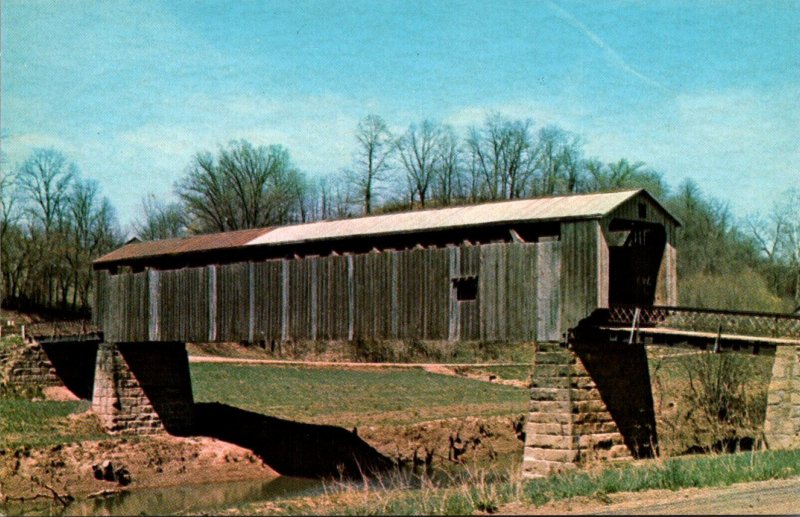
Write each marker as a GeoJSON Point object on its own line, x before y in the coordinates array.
{"type": "Point", "coordinates": [517, 373]}
{"type": "Point", "coordinates": [486, 492]}
{"type": "Point", "coordinates": [10, 342]}
{"type": "Point", "coordinates": [349, 397]}
{"type": "Point", "coordinates": [42, 423]}
{"type": "Point", "coordinates": [671, 474]}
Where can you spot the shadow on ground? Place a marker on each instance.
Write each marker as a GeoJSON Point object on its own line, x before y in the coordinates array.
{"type": "Point", "coordinates": [291, 448]}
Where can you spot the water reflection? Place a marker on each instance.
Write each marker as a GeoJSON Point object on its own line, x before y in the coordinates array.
{"type": "Point", "coordinates": [179, 499]}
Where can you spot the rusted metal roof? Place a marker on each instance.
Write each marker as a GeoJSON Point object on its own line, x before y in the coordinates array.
{"type": "Point", "coordinates": [582, 206]}
{"type": "Point", "coordinates": [208, 242]}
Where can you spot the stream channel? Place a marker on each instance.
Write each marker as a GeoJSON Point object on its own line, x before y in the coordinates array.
{"type": "Point", "coordinates": [201, 498]}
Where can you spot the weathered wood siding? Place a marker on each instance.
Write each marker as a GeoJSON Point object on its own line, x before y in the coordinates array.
{"type": "Point", "coordinates": [507, 291]}
{"type": "Point", "coordinates": [630, 210]}
{"type": "Point", "coordinates": [406, 294]}
{"type": "Point", "coordinates": [579, 272]}
{"type": "Point", "coordinates": [183, 306]}
{"type": "Point", "coordinates": [548, 291]}
{"type": "Point", "coordinates": [268, 288]}
{"type": "Point", "coordinates": [667, 286]}
{"type": "Point", "coordinates": [125, 306]}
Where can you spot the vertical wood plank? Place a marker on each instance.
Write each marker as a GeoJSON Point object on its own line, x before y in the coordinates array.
{"type": "Point", "coordinates": [603, 265]}
{"type": "Point", "coordinates": [285, 300]}
{"type": "Point", "coordinates": [454, 328]}
{"type": "Point", "coordinates": [212, 303]}
{"type": "Point", "coordinates": [153, 312]}
{"type": "Point", "coordinates": [251, 302]}
{"type": "Point", "coordinates": [314, 294]}
{"type": "Point", "coordinates": [548, 291]}
{"type": "Point", "coordinates": [350, 299]}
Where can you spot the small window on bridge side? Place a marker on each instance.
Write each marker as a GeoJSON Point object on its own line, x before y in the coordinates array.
{"type": "Point", "coordinates": [466, 288]}
{"type": "Point", "coordinates": [642, 211]}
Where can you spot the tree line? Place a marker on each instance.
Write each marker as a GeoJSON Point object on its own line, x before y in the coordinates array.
{"type": "Point", "coordinates": [53, 223]}
{"type": "Point", "coordinates": [723, 262]}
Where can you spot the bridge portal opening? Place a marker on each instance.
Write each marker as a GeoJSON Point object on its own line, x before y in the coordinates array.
{"type": "Point", "coordinates": [636, 249]}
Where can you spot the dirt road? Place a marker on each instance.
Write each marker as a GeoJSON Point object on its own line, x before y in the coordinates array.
{"type": "Point", "coordinates": [781, 497]}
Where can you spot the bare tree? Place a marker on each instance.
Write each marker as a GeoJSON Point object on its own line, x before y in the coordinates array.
{"type": "Point", "coordinates": [243, 187]}
{"type": "Point", "coordinates": [501, 155]}
{"type": "Point", "coordinates": [559, 165]}
{"type": "Point", "coordinates": [375, 148]}
{"type": "Point", "coordinates": [93, 231]}
{"type": "Point", "coordinates": [8, 222]}
{"type": "Point", "coordinates": [160, 220]}
{"type": "Point", "coordinates": [45, 178]}
{"type": "Point", "coordinates": [44, 181]}
{"type": "Point", "coordinates": [448, 182]}
{"type": "Point", "coordinates": [789, 241]}
{"type": "Point", "coordinates": [421, 151]}
{"type": "Point", "coordinates": [337, 197]}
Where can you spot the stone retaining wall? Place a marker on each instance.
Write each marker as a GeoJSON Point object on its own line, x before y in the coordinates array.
{"type": "Point", "coordinates": [782, 423]}
{"type": "Point", "coordinates": [143, 388]}
{"type": "Point", "coordinates": [590, 403]}
{"type": "Point", "coordinates": [27, 366]}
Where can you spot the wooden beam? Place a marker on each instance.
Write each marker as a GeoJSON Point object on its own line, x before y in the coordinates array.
{"type": "Point", "coordinates": [154, 332]}
{"type": "Point", "coordinates": [251, 295]}
{"type": "Point", "coordinates": [212, 303]}
{"type": "Point", "coordinates": [351, 310]}
{"type": "Point", "coordinates": [285, 300]}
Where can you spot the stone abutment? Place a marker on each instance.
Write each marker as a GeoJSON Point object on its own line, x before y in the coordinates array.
{"type": "Point", "coordinates": [782, 422]}
{"type": "Point", "coordinates": [143, 388]}
{"type": "Point", "coordinates": [591, 402]}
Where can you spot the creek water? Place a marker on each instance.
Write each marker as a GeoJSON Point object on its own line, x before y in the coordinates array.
{"type": "Point", "coordinates": [201, 498]}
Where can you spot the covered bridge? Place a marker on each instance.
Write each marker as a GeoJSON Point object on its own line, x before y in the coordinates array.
{"type": "Point", "coordinates": [525, 270]}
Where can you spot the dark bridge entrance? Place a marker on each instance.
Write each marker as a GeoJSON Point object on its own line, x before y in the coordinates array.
{"type": "Point", "coordinates": [636, 249]}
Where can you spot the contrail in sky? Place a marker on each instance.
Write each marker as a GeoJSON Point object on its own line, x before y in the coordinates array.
{"type": "Point", "coordinates": [611, 54]}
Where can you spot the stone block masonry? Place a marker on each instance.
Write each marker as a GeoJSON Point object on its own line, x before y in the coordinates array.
{"type": "Point", "coordinates": [27, 366]}
{"type": "Point", "coordinates": [782, 422]}
{"type": "Point", "coordinates": [33, 365]}
{"type": "Point", "coordinates": [143, 388]}
{"type": "Point", "coordinates": [589, 403]}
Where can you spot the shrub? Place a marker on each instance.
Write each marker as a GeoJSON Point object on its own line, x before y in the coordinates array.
{"type": "Point", "coordinates": [726, 400]}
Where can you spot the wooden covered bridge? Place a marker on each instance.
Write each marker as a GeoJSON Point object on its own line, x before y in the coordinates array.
{"type": "Point", "coordinates": [544, 270]}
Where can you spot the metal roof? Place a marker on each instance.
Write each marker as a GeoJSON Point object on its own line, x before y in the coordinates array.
{"type": "Point", "coordinates": [582, 206]}
{"type": "Point", "coordinates": [208, 242]}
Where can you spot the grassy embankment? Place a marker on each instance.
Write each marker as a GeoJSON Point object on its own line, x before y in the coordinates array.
{"type": "Point", "coordinates": [41, 423]}
{"type": "Point", "coordinates": [343, 397]}
{"type": "Point", "coordinates": [352, 397]}
{"type": "Point", "coordinates": [28, 421]}
{"type": "Point", "coordinates": [479, 490]}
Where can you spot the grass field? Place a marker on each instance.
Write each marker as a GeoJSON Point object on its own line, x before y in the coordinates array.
{"type": "Point", "coordinates": [352, 397]}
{"type": "Point", "coordinates": [482, 491]}
{"type": "Point", "coordinates": [42, 423]}
{"type": "Point", "coordinates": [344, 397]}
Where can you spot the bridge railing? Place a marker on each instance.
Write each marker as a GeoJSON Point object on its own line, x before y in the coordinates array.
{"type": "Point", "coordinates": [743, 323]}
{"type": "Point", "coordinates": [65, 328]}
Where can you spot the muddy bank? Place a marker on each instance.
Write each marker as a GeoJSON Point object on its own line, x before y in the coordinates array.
{"type": "Point", "coordinates": [160, 461]}
{"type": "Point", "coordinates": [149, 462]}
{"type": "Point", "coordinates": [448, 441]}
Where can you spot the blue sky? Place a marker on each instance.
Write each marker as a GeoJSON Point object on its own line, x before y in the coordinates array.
{"type": "Point", "coordinates": [131, 90]}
